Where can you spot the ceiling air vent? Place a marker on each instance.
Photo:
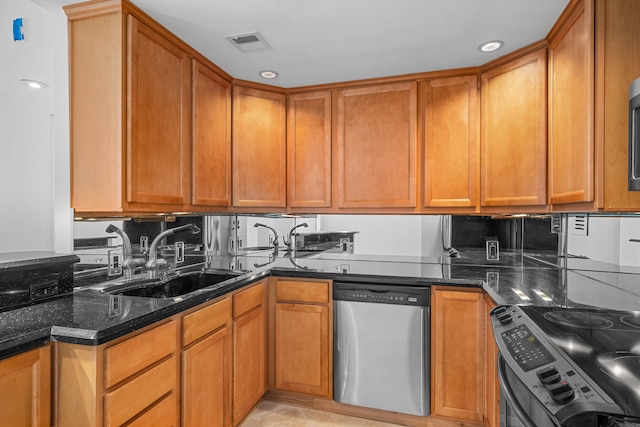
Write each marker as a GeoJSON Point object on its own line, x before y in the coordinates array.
{"type": "Point", "coordinates": [249, 42]}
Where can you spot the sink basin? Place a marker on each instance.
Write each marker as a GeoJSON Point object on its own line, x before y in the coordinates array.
{"type": "Point", "coordinates": [177, 286]}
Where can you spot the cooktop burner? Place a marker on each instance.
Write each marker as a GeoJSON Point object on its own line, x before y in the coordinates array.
{"type": "Point", "coordinates": [631, 320]}
{"type": "Point", "coordinates": [605, 344]}
{"type": "Point", "coordinates": [578, 319]}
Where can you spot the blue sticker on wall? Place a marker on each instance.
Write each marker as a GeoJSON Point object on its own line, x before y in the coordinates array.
{"type": "Point", "coordinates": [18, 33]}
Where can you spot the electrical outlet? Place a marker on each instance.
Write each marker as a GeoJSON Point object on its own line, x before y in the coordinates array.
{"type": "Point", "coordinates": [115, 263]}
{"type": "Point", "coordinates": [178, 255]}
{"type": "Point", "coordinates": [344, 268]}
{"type": "Point", "coordinates": [144, 244]}
{"type": "Point", "coordinates": [493, 250]}
{"type": "Point", "coordinates": [493, 279]}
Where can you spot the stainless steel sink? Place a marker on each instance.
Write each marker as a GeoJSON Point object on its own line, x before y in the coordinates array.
{"type": "Point", "coordinates": [173, 287]}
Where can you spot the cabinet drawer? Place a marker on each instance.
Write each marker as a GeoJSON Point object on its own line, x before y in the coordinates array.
{"type": "Point", "coordinates": [292, 290]}
{"type": "Point", "coordinates": [247, 300]}
{"type": "Point", "coordinates": [130, 399]}
{"type": "Point", "coordinates": [163, 414]}
{"type": "Point", "coordinates": [133, 355]}
{"type": "Point", "coordinates": [199, 323]}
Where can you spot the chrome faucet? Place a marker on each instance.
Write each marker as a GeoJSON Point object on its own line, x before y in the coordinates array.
{"type": "Point", "coordinates": [130, 263]}
{"type": "Point", "coordinates": [273, 230]}
{"type": "Point", "coordinates": [289, 242]}
{"type": "Point", "coordinates": [154, 264]}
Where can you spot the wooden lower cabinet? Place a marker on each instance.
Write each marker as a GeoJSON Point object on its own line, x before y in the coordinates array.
{"type": "Point", "coordinates": [206, 366]}
{"type": "Point", "coordinates": [25, 389]}
{"type": "Point", "coordinates": [249, 350]}
{"type": "Point", "coordinates": [457, 353]}
{"type": "Point", "coordinates": [206, 381]}
{"type": "Point", "coordinates": [303, 341]}
{"type": "Point", "coordinates": [123, 382]}
{"type": "Point", "coordinates": [492, 383]}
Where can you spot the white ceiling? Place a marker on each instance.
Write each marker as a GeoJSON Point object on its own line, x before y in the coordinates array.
{"type": "Point", "coordinates": [340, 40]}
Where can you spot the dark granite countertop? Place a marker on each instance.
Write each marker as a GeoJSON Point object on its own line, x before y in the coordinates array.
{"type": "Point", "coordinates": [92, 318]}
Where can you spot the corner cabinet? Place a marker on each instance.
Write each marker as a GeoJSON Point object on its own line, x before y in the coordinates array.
{"type": "Point", "coordinates": [309, 150]}
{"type": "Point", "coordinates": [451, 142]}
{"type": "Point", "coordinates": [25, 389]}
{"type": "Point", "coordinates": [132, 116]}
{"type": "Point", "coordinates": [513, 144]}
{"type": "Point", "coordinates": [259, 148]}
{"type": "Point", "coordinates": [376, 146]}
{"type": "Point", "coordinates": [457, 353]}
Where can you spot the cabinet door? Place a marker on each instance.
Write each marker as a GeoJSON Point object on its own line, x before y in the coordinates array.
{"type": "Point", "coordinates": [513, 142]}
{"type": "Point", "coordinates": [571, 102]}
{"type": "Point", "coordinates": [376, 141]}
{"type": "Point", "coordinates": [206, 381]}
{"type": "Point", "coordinates": [25, 389]}
{"type": "Point", "coordinates": [452, 139]}
{"type": "Point", "coordinates": [458, 354]}
{"type": "Point", "coordinates": [259, 148]}
{"type": "Point", "coordinates": [211, 175]}
{"type": "Point", "coordinates": [309, 150]}
{"type": "Point", "coordinates": [492, 383]}
{"type": "Point", "coordinates": [302, 348]}
{"type": "Point", "coordinates": [159, 89]}
{"type": "Point", "coordinates": [249, 363]}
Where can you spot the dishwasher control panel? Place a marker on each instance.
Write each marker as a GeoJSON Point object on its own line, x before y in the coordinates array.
{"type": "Point", "coordinates": [382, 293]}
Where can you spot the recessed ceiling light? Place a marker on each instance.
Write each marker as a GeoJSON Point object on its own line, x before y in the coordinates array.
{"type": "Point", "coordinates": [268, 74]}
{"type": "Point", "coordinates": [490, 46]}
{"type": "Point", "coordinates": [34, 84]}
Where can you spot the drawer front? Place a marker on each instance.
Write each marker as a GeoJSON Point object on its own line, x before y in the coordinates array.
{"type": "Point", "coordinates": [199, 323]}
{"type": "Point", "coordinates": [130, 399]}
{"type": "Point", "coordinates": [246, 300]}
{"type": "Point", "coordinates": [293, 290]}
{"type": "Point", "coordinates": [135, 354]}
{"type": "Point", "coordinates": [163, 414]}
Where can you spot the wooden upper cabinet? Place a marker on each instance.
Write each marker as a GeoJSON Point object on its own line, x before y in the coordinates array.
{"type": "Point", "coordinates": [571, 109]}
{"type": "Point", "coordinates": [513, 143]}
{"type": "Point", "coordinates": [376, 140]}
{"type": "Point", "coordinates": [618, 64]}
{"type": "Point", "coordinates": [259, 148]}
{"type": "Point", "coordinates": [451, 141]}
{"type": "Point", "coordinates": [211, 149]}
{"type": "Point", "coordinates": [158, 137]}
{"type": "Point", "coordinates": [309, 150]}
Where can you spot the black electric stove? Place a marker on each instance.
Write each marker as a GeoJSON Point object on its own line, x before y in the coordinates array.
{"type": "Point", "coordinates": [581, 365]}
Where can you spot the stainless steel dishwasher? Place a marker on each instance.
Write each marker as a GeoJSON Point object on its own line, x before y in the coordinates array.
{"type": "Point", "coordinates": [381, 346]}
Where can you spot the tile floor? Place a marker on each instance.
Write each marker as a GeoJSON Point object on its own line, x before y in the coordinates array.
{"type": "Point", "coordinates": [271, 414]}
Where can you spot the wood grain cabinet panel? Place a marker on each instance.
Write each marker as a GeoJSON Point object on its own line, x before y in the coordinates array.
{"type": "Point", "coordinates": [571, 109]}
{"type": "Point", "coordinates": [259, 148]}
{"type": "Point", "coordinates": [158, 137]}
{"type": "Point", "coordinates": [206, 381]}
{"type": "Point", "coordinates": [458, 359]}
{"type": "Point", "coordinates": [249, 350]}
{"type": "Point", "coordinates": [249, 362]}
{"type": "Point", "coordinates": [302, 348]}
{"type": "Point", "coordinates": [25, 389]}
{"type": "Point", "coordinates": [376, 139]}
{"type": "Point", "coordinates": [309, 150]}
{"type": "Point", "coordinates": [451, 141]}
{"type": "Point", "coordinates": [513, 144]}
{"type": "Point", "coordinates": [211, 150]}
{"type": "Point", "coordinates": [492, 383]}
{"type": "Point", "coordinates": [618, 64]}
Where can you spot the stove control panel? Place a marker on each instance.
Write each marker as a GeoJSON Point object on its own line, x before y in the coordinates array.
{"type": "Point", "coordinates": [544, 370]}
